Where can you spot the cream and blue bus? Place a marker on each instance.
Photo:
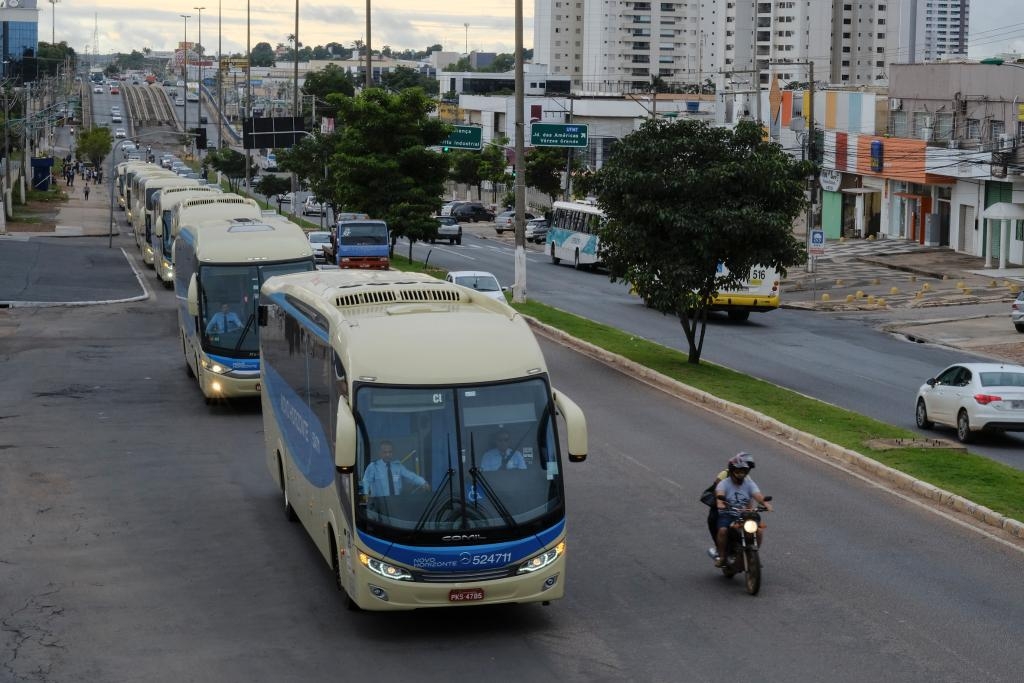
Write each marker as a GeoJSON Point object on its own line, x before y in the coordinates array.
{"type": "Point", "coordinates": [573, 233]}
{"type": "Point", "coordinates": [165, 202]}
{"type": "Point", "coordinates": [142, 216]}
{"type": "Point", "coordinates": [373, 372]}
{"type": "Point", "coordinates": [124, 171]}
{"type": "Point", "coordinates": [219, 266]}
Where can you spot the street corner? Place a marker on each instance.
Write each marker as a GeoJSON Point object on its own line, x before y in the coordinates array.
{"type": "Point", "coordinates": [990, 335]}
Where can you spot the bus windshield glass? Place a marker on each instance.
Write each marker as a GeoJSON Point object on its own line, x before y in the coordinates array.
{"type": "Point", "coordinates": [432, 461]}
{"type": "Point", "coordinates": [228, 300]}
{"type": "Point", "coordinates": [363, 233]}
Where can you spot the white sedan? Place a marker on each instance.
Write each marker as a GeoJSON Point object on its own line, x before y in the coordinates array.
{"type": "Point", "coordinates": [120, 133]}
{"type": "Point", "coordinates": [478, 280]}
{"type": "Point", "coordinates": [973, 397]}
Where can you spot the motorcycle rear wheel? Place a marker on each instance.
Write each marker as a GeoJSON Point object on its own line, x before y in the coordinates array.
{"type": "Point", "coordinates": [753, 570]}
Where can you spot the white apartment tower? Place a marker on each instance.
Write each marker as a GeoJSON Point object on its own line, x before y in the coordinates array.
{"type": "Point", "coordinates": [619, 45]}
{"type": "Point", "coordinates": [936, 29]}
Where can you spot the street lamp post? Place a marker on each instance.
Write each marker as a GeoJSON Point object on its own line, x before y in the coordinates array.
{"type": "Point", "coordinates": [199, 83]}
{"type": "Point", "coordinates": [53, 21]}
{"type": "Point", "coordinates": [220, 82]}
{"type": "Point", "coordinates": [184, 76]}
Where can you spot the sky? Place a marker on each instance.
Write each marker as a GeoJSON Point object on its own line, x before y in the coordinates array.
{"type": "Point", "coordinates": [123, 25]}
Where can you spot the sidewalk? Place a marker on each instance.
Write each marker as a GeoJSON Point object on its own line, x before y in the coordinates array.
{"type": "Point", "coordinates": [80, 217]}
{"type": "Point", "coordinates": [890, 273]}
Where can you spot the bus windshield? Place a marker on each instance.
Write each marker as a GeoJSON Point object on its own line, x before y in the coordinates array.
{"type": "Point", "coordinates": [228, 300]}
{"type": "Point", "coordinates": [479, 459]}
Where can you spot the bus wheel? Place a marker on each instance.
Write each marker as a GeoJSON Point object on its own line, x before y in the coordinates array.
{"type": "Point", "coordinates": [554, 259]}
{"type": "Point", "coordinates": [739, 315]}
{"type": "Point", "coordinates": [289, 511]}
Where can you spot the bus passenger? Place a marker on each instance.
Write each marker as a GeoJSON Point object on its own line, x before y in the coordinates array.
{"type": "Point", "coordinates": [384, 476]}
{"type": "Point", "coordinates": [224, 320]}
{"type": "Point", "coordinates": [502, 456]}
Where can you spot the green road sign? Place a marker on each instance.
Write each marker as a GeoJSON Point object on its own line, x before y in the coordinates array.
{"type": "Point", "coordinates": [558, 135]}
{"type": "Point", "coordinates": [464, 137]}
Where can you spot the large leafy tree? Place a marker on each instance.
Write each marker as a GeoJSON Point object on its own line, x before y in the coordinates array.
{"type": "Point", "coordinates": [403, 77]}
{"type": "Point", "coordinates": [328, 81]}
{"type": "Point", "coordinates": [308, 159]}
{"type": "Point", "coordinates": [544, 169]}
{"type": "Point", "coordinates": [382, 162]}
{"type": "Point", "coordinates": [683, 198]}
{"type": "Point", "coordinates": [493, 163]}
{"type": "Point", "coordinates": [465, 168]}
{"type": "Point", "coordinates": [262, 55]}
{"type": "Point", "coordinates": [230, 163]}
{"type": "Point", "coordinates": [95, 144]}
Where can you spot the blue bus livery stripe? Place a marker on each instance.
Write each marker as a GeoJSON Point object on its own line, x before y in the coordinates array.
{"type": "Point", "coordinates": [239, 364]}
{"type": "Point", "coordinates": [587, 243]}
{"type": "Point", "coordinates": [303, 434]}
{"type": "Point", "coordinates": [281, 300]}
{"type": "Point", "coordinates": [464, 558]}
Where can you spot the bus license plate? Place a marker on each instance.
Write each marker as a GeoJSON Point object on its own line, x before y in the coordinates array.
{"type": "Point", "coordinates": [466, 594]}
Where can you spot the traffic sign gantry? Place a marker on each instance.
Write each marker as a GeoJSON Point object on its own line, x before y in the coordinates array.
{"type": "Point", "coordinates": [558, 135]}
{"type": "Point", "coordinates": [464, 137]}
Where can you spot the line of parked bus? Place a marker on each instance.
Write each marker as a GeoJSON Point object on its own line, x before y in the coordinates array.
{"type": "Point", "coordinates": [427, 473]}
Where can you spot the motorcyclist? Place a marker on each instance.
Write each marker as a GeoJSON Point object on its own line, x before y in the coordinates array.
{"type": "Point", "coordinates": [736, 491]}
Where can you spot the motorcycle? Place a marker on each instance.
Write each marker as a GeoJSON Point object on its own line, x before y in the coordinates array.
{"type": "Point", "coordinates": [741, 551]}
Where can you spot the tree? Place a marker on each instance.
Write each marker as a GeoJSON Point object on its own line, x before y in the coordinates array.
{"type": "Point", "coordinates": [272, 185]}
{"type": "Point", "coordinates": [383, 162]}
{"type": "Point", "coordinates": [544, 168]}
{"type": "Point", "coordinates": [230, 163]}
{"type": "Point", "coordinates": [308, 159]}
{"type": "Point", "coordinates": [328, 81]}
{"type": "Point", "coordinates": [263, 55]}
{"type": "Point", "coordinates": [683, 198]}
{"type": "Point", "coordinates": [403, 77]}
{"type": "Point", "coordinates": [465, 168]}
{"type": "Point", "coordinates": [95, 144]}
{"type": "Point", "coordinates": [493, 163]}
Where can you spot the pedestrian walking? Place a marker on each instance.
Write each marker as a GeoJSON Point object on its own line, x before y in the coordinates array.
{"type": "Point", "coordinates": [85, 191]}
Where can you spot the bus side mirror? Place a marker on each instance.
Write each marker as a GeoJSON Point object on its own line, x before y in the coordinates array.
{"type": "Point", "coordinates": [261, 315]}
{"type": "Point", "coordinates": [345, 442]}
{"type": "Point", "coordinates": [158, 228]}
{"type": "Point", "coordinates": [575, 424]}
{"type": "Point", "coordinates": [193, 296]}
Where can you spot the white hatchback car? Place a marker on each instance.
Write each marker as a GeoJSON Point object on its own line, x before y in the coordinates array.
{"type": "Point", "coordinates": [973, 397]}
{"type": "Point", "coordinates": [317, 240]}
{"type": "Point", "coordinates": [479, 280]}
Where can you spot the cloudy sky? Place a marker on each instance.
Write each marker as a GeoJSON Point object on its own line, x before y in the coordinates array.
{"type": "Point", "coordinates": [124, 25]}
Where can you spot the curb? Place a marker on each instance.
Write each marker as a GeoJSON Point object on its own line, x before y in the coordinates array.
{"type": "Point", "coordinates": [899, 480]}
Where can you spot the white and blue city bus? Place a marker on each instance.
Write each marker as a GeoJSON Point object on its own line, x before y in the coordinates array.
{"type": "Point", "coordinates": [357, 362]}
{"type": "Point", "coordinates": [573, 233]}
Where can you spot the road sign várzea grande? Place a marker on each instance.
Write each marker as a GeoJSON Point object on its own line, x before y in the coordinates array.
{"type": "Point", "coordinates": [558, 135]}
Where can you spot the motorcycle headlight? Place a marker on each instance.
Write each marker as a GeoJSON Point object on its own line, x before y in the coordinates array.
{"type": "Point", "coordinates": [386, 570]}
{"type": "Point", "coordinates": [538, 562]}
{"type": "Point", "coordinates": [750, 526]}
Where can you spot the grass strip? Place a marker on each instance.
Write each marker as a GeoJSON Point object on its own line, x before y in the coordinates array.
{"type": "Point", "coordinates": [976, 478]}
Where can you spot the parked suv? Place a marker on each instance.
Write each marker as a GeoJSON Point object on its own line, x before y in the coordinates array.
{"type": "Point", "coordinates": [472, 211]}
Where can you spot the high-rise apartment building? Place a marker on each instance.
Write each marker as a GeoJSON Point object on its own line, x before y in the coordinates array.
{"type": "Point", "coordinates": [620, 45]}
{"type": "Point", "coordinates": [935, 29]}
{"type": "Point", "coordinates": [19, 38]}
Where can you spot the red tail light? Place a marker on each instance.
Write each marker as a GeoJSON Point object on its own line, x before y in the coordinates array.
{"type": "Point", "coordinates": [985, 399]}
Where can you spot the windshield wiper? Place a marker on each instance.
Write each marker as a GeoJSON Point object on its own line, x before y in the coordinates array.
{"type": "Point", "coordinates": [245, 331]}
{"type": "Point", "coordinates": [478, 478]}
{"type": "Point", "coordinates": [448, 481]}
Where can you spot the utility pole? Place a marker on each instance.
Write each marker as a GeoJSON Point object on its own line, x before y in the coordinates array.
{"type": "Point", "coordinates": [811, 154]}
{"type": "Point", "coordinates": [369, 52]}
{"type": "Point", "coordinates": [519, 285]}
{"type": "Point", "coordinates": [568, 163]}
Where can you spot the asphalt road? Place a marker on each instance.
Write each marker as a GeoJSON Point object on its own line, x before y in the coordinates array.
{"type": "Point", "coordinates": [840, 358]}
{"type": "Point", "coordinates": [145, 540]}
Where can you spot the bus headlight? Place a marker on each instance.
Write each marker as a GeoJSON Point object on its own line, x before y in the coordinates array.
{"type": "Point", "coordinates": [538, 562]}
{"type": "Point", "coordinates": [386, 570]}
{"type": "Point", "coordinates": [213, 367]}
